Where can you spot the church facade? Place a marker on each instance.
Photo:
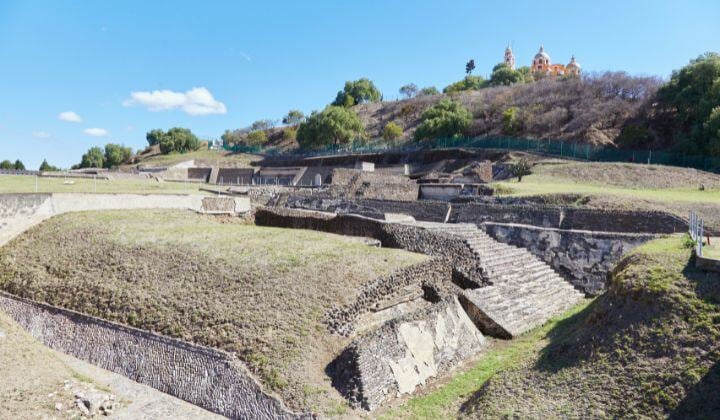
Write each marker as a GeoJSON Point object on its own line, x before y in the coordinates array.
{"type": "Point", "coordinates": [542, 64]}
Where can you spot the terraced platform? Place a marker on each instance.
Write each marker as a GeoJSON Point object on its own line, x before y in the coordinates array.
{"type": "Point", "coordinates": [524, 291]}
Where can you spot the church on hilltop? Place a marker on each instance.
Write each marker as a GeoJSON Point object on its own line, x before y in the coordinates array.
{"type": "Point", "coordinates": [543, 66]}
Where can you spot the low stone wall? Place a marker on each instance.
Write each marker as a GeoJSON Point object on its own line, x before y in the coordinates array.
{"type": "Point", "coordinates": [404, 353]}
{"type": "Point", "coordinates": [569, 218]}
{"type": "Point", "coordinates": [354, 183]}
{"type": "Point", "coordinates": [707, 264]}
{"type": "Point", "coordinates": [582, 257]}
{"type": "Point", "coordinates": [341, 320]}
{"type": "Point", "coordinates": [209, 378]}
{"type": "Point", "coordinates": [392, 235]}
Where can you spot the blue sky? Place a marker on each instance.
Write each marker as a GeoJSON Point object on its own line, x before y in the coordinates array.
{"type": "Point", "coordinates": [223, 65]}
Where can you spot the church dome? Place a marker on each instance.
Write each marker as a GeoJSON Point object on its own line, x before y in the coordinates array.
{"type": "Point", "coordinates": [542, 54]}
{"type": "Point", "coordinates": [573, 63]}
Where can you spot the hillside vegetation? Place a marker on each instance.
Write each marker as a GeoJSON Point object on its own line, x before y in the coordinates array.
{"type": "Point", "coordinates": [259, 292]}
{"type": "Point", "coordinates": [647, 348]}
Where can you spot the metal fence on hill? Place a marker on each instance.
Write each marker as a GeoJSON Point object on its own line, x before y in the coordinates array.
{"type": "Point", "coordinates": [696, 227]}
{"type": "Point", "coordinates": [559, 148]}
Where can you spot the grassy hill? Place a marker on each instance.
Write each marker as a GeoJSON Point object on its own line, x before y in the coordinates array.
{"type": "Point", "coordinates": [648, 347]}
{"type": "Point", "coordinates": [256, 291]}
{"type": "Point", "coordinates": [201, 157]}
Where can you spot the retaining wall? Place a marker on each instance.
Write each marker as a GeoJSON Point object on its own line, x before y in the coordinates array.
{"type": "Point", "coordinates": [582, 257]}
{"type": "Point", "coordinates": [19, 212]}
{"type": "Point", "coordinates": [404, 353]}
{"type": "Point", "coordinates": [212, 379]}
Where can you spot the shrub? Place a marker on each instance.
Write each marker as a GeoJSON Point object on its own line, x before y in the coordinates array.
{"type": "Point", "coordinates": [294, 117]}
{"type": "Point", "coordinates": [633, 135]}
{"type": "Point", "coordinates": [392, 131]}
{"type": "Point", "coordinates": [256, 138]}
{"type": "Point", "coordinates": [334, 125]}
{"type": "Point", "coordinates": [468, 83]}
{"type": "Point", "coordinates": [46, 167]}
{"type": "Point", "coordinates": [290, 133]}
{"type": "Point", "coordinates": [428, 91]}
{"type": "Point", "coordinates": [511, 121]}
{"type": "Point", "coordinates": [445, 119]}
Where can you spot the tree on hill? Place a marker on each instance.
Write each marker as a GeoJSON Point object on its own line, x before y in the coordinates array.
{"type": "Point", "coordinates": [153, 136]}
{"type": "Point", "coordinates": [93, 158]}
{"type": "Point", "coordinates": [468, 83]}
{"type": "Point", "coordinates": [334, 125]}
{"type": "Point", "coordinates": [293, 118]}
{"type": "Point", "coordinates": [520, 169]}
{"type": "Point", "coordinates": [409, 90]}
{"type": "Point", "coordinates": [46, 167]}
{"type": "Point", "coordinates": [469, 67]}
{"type": "Point", "coordinates": [445, 119]}
{"type": "Point", "coordinates": [357, 92]}
{"type": "Point", "coordinates": [116, 155]}
{"type": "Point", "coordinates": [179, 140]}
{"type": "Point", "coordinates": [392, 131]}
{"type": "Point", "coordinates": [256, 138]}
{"type": "Point", "coordinates": [428, 91]}
{"type": "Point", "coordinates": [6, 164]}
{"type": "Point", "coordinates": [692, 97]}
{"type": "Point", "coordinates": [503, 75]}
{"type": "Point", "coordinates": [262, 125]}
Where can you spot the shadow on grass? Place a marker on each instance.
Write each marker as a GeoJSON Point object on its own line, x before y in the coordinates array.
{"type": "Point", "coordinates": [702, 400]}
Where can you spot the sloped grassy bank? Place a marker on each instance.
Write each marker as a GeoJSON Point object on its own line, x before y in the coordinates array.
{"type": "Point", "coordinates": [259, 292]}
{"type": "Point", "coordinates": [647, 348]}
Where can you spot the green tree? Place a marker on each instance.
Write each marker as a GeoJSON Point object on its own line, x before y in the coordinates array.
{"type": "Point", "coordinates": [445, 119]}
{"type": "Point", "coordinates": [503, 75]}
{"type": "Point", "coordinates": [520, 169]}
{"type": "Point", "coordinates": [428, 91]}
{"type": "Point", "coordinates": [409, 90]}
{"type": "Point", "coordinates": [19, 165]}
{"type": "Point", "coordinates": [511, 121]}
{"type": "Point", "coordinates": [256, 138]}
{"type": "Point", "coordinates": [153, 136]}
{"type": "Point", "coordinates": [233, 136]}
{"type": "Point", "coordinates": [357, 92]}
{"type": "Point", "coordinates": [116, 155]}
{"type": "Point", "coordinates": [46, 167]}
{"type": "Point", "coordinates": [334, 125]}
{"type": "Point", "coordinates": [392, 131]}
{"type": "Point", "coordinates": [468, 83]}
{"type": "Point", "coordinates": [293, 118]}
{"type": "Point", "coordinates": [469, 67]}
{"type": "Point", "coordinates": [692, 95]}
{"type": "Point", "coordinates": [526, 73]}
{"type": "Point", "coordinates": [6, 164]}
{"type": "Point", "coordinates": [179, 140]}
{"type": "Point", "coordinates": [93, 158]}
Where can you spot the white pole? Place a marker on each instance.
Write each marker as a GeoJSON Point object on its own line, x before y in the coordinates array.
{"type": "Point", "coordinates": [94, 183]}
{"type": "Point", "coordinates": [36, 183]}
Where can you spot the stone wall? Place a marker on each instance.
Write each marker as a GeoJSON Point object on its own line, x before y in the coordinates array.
{"type": "Point", "coordinates": [340, 320]}
{"type": "Point", "coordinates": [582, 257]}
{"type": "Point", "coordinates": [358, 184]}
{"type": "Point", "coordinates": [209, 378]}
{"type": "Point", "coordinates": [404, 353]}
{"type": "Point", "coordinates": [393, 235]}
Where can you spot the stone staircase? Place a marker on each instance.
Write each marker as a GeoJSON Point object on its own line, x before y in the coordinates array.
{"type": "Point", "coordinates": [524, 293]}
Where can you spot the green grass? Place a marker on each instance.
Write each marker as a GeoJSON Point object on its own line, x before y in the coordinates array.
{"type": "Point", "coordinates": [712, 250]}
{"type": "Point", "coordinates": [444, 402]}
{"type": "Point", "coordinates": [210, 157]}
{"type": "Point", "coordinates": [26, 184]}
{"type": "Point", "coordinates": [542, 184]}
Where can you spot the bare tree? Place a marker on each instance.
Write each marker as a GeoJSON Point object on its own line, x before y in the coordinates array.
{"type": "Point", "coordinates": [409, 90]}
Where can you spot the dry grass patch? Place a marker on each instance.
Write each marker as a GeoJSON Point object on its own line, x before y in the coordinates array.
{"type": "Point", "coordinates": [259, 292]}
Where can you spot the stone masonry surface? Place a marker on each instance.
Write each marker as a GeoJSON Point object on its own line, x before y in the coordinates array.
{"type": "Point", "coordinates": [583, 257]}
{"type": "Point", "coordinates": [404, 353]}
{"type": "Point", "coordinates": [209, 378]}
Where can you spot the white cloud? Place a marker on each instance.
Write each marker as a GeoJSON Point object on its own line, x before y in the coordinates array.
{"type": "Point", "coordinates": [96, 132]}
{"type": "Point", "coordinates": [41, 134]}
{"type": "Point", "coordinates": [196, 101]}
{"type": "Point", "coordinates": [69, 116]}
{"type": "Point", "coordinates": [245, 56]}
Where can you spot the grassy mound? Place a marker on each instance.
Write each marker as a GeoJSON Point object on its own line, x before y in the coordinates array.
{"type": "Point", "coordinates": [259, 292]}
{"type": "Point", "coordinates": [647, 348]}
